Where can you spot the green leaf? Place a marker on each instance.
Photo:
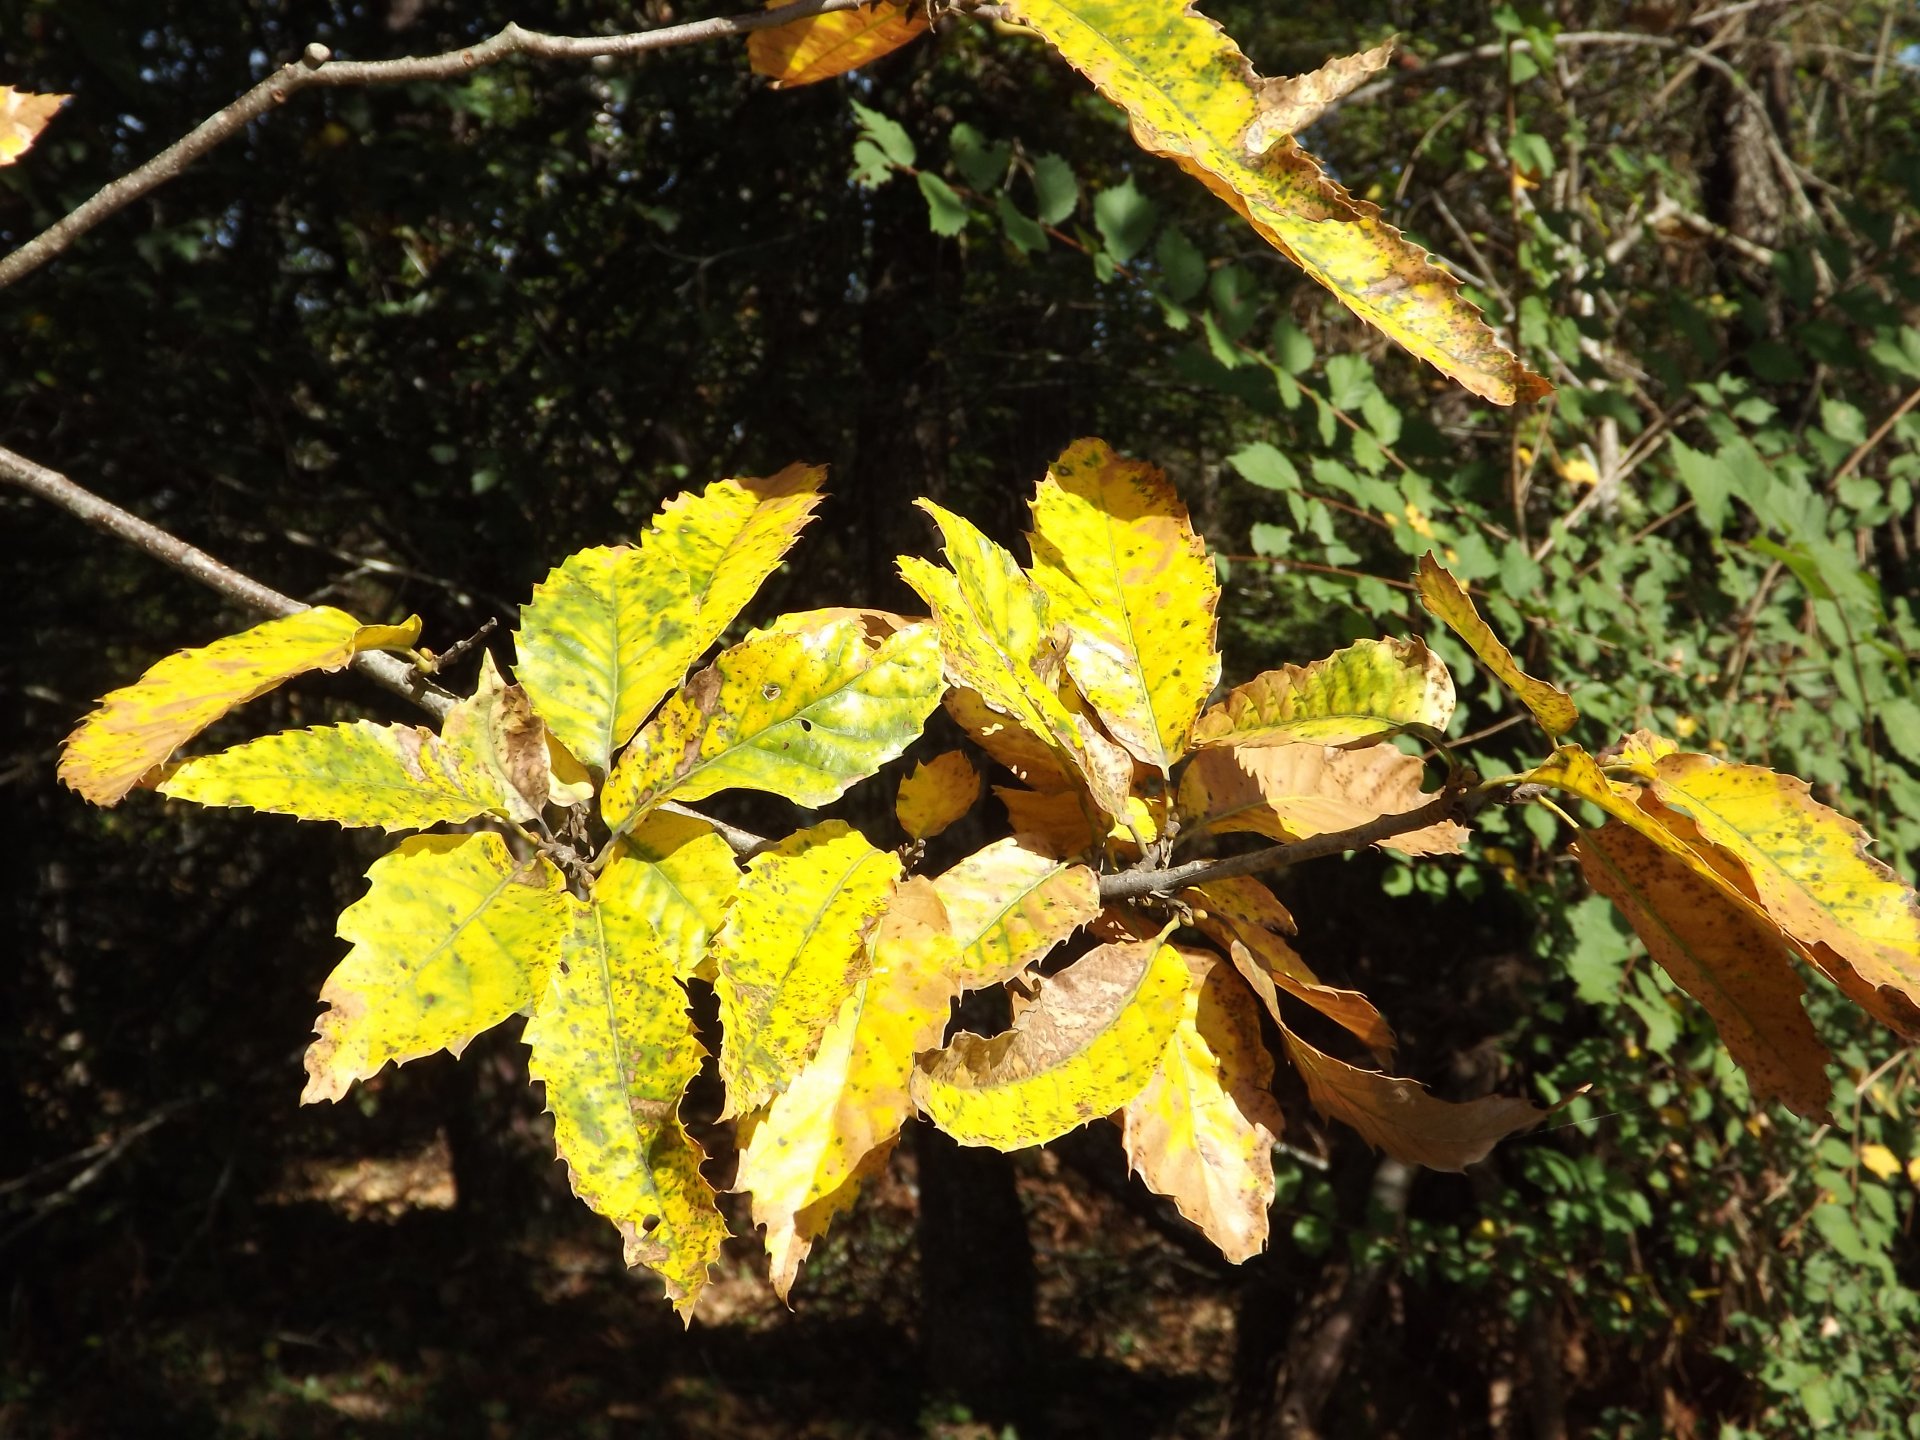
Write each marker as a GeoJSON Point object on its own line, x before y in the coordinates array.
{"type": "Point", "coordinates": [1056, 191]}
{"type": "Point", "coordinates": [614, 1045]}
{"type": "Point", "coordinates": [982, 163]}
{"type": "Point", "coordinates": [452, 937]}
{"type": "Point", "coordinates": [1183, 269]}
{"type": "Point", "coordinates": [1125, 218]}
{"type": "Point", "coordinates": [1260, 464]}
{"type": "Point", "coordinates": [1027, 237]}
{"type": "Point", "coordinates": [946, 211]}
{"type": "Point", "coordinates": [1708, 481]}
{"type": "Point", "coordinates": [889, 135]}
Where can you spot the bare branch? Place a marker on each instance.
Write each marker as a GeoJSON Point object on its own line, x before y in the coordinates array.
{"type": "Point", "coordinates": [317, 69]}
{"type": "Point", "coordinates": [1454, 803]}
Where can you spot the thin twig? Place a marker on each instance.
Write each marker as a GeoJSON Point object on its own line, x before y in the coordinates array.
{"type": "Point", "coordinates": [317, 69]}
{"type": "Point", "coordinates": [1449, 804]}
{"type": "Point", "coordinates": [385, 670]}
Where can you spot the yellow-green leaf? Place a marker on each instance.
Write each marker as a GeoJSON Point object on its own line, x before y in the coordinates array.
{"type": "Point", "coordinates": [1008, 905]}
{"type": "Point", "coordinates": [139, 726]}
{"type": "Point", "coordinates": [607, 633]}
{"type": "Point", "coordinates": [793, 948]}
{"type": "Point", "coordinates": [678, 876]}
{"type": "Point", "coordinates": [1245, 918]}
{"type": "Point", "coordinates": [997, 639]}
{"type": "Point", "coordinates": [1448, 603]}
{"type": "Point", "coordinates": [1087, 1046]}
{"type": "Point", "coordinates": [1194, 98]}
{"type": "Point", "coordinates": [803, 714]}
{"type": "Point", "coordinates": [1733, 964]}
{"type": "Point", "coordinates": [1289, 792]}
{"type": "Point", "coordinates": [1116, 556]}
{"type": "Point", "coordinates": [452, 937]}
{"type": "Point", "coordinates": [1811, 872]}
{"type": "Point", "coordinates": [1401, 1118]}
{"type": "Point", "coordinates": [729, 538]}
{"type": "Point", "coordinates": [1202, 1133]}
{"type": "Point", "coordinates": [848, 1102]}
{"type": "Point", "coordinates": [614, 1046]}
{"type": "Point", "coordinates": [823, 46]}
{"type": "Point", "coordinates": [1371, 689]}
{"type": "Point", "coordinates": [937, 793]}
{"type": "Point", "coordinates": [497, 734]}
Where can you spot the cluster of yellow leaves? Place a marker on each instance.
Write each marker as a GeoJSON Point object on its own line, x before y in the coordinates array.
{"type": "Point", "coordinates": [1087, 676]}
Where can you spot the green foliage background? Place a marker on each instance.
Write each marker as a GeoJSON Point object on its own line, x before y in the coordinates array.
{"type": "Point", "coordinates": [401, 349]}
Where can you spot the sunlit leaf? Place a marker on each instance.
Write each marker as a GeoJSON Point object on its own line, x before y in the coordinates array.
{"type": "Point", "coordinates": [676, 875]}
{"type": "Point", "coordinates": [1007, 906]}
{"type": "Point", "coordinates": [139, 726]}
{"type": "Point", "coordinates": [452, 937]}
{"type": "Point", "coordinates": [1033, 761]}
{"type": "Point", "coordinates": [792, 949]}
{"type": "Point", "coordinates": [1202, 1132]}
{"type": "Point", "coordinates": [1290, 105]}
{"type": "Point", "coordinates": [605, 635]}
{"type": "Point", "coordinates": [729, 538]}
{"type": "Point", "coordinates": [23, 115]}
{"type": "Point", "coordinates": [936, 795]}
{"type": "Point", "coordinates": [1193, 97]}
{"type": "Point", "coordinates": [1401, 1118]}
{"type": "Point", "coordinates": [1372, 688]}
{"type": "Point", "coordinates": [1067, 823]}
{"type": "Point", "coordinates": [803, 714]}
{"type": "Point", "coordinates": [1447, 602]}
{"type": "Point", "coordinates": [1734, 965]}
{"type": "Point", "coordinates": [1289, 792]}
{"type": "Point", "coordinates": [1118, 560]}
{"type": "Point", "coordinates": [614, 1045]}
{"type": "Point", "coordinates": [850, 1100]}
{"type": "Point", "coordinates": [1087, 1046]}
{"type": "Point", "coordinates": [997, 638]}
{"type": "Point", "coordinates": [819, 47]}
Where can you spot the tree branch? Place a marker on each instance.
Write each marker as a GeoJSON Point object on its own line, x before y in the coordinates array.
{"type": "Point", "coordinates": [385, 670]}
{"type": "Point", "coordinates": [317, 69]}
{"type": "Point", "coordinates": [1453, 803]}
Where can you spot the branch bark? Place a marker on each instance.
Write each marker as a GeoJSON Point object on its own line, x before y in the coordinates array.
{"type": "Point", "coordinates": [317, 69]}
{"type": "Point", "coordinates": [1453, 803]}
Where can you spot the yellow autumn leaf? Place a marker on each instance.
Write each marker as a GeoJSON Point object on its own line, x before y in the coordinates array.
{"type": "Point", "coordinates": [938, 793]}
{"type": "Point", "coordinates": [728, 539]}
{"type": "Point", "coordinates": [613, 1043]}
{"type": "Point", "coordinates": [1289, 792]}
{"type": "Point", "coordinates": [997, 638]}
{"type": "Point", "coordinates": [1202, 1133]}
{"type": "Point", "coordinates": [452, 937]}
{"type": "Point", "coordinates": [820, 47]}
{"type": "Point", "coordinates": [1007, 906]}
{"type": "Point", "coordinates": [1194, 98]}
{"type": "Point", "coordinates": [490, 757]}
{"type": "Point", "coordinates": [846, 1105]}
{"type": "Point", "coordinates": [1083, 1049]}
{"type": "Point", "coordinates": [1716, 951]}
{"type": "Point", "coordinates": [1399, 1116]}
{"type": "Point", "coordinates": [1290, 105]}
{"type": "Point", "coordinates": [1373, 688]}
{"type": "Point", "coordinates": [1247, 920]}
{"type": "Point", "coordinates": [1447, 602]}
{"type": "Point", "coordinates": [803, 714]}
{"type": "Point", "coordinates": [792, 949]}
{"type": "Point", "coordinates": [1120, 565]}
{"type": "Point", "coordinates": [23, 115]}
{"type": "Point", "coordinates": [1880, 1160]}
{"type": "Point", "coordinates": [1032, 760]}
{"type": "Point", "coordinates": [1810, 870]}
{"type": "Point", "coordinates": [606, 634]}
{"type": "Point", "coordinates": [675, 874]}
{"type": "Point", "coordinates": [139, 726]}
